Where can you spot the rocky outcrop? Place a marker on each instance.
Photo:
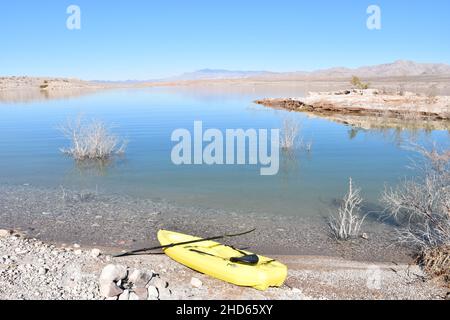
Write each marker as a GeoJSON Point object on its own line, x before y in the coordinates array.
{"type": "Point", "coordinates": [367, 103]}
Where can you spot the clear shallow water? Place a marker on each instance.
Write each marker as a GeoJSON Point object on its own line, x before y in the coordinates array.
{"type": "Point", "coordinates": [305, 185]}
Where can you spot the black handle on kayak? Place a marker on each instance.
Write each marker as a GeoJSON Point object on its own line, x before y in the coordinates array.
{"type": "Point", "coordinates": [251, 259]}
{"type": "Point", "coordinates": [170, 245]}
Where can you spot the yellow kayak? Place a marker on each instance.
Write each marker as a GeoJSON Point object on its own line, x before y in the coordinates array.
{"type": "Point", "coordinates": [213, 258]}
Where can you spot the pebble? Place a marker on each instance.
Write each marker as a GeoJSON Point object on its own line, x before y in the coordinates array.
{"type": "Point", "coordinates": [113, 273]}
{"type": "Point", "coordinates": [95, 253]}
{"type": "Point", "coordinates": [42, 271]}
{"type": "Point", "coordinates": [196, 283]}
{"type": "Point", "coordinates": [296, 291]}
{"type": "Point", "coordinates": [76, 246]}
{"type": "Point", "coordinates": [365, 236]}
{"type": "Point", "coordinates": [20, 251]}
{"type": "Point", "coordinates": [5, 233]}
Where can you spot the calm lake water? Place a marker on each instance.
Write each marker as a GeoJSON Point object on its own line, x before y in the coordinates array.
{"type": "Point", "coordinates": [306, 184]}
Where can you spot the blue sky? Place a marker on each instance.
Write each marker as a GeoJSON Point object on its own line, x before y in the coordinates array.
{"type": "Point", "coordinates": [145, 39]}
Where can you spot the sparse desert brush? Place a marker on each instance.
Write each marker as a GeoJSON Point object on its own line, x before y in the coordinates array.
{"type": "Point", "coordinates": [346, 224]}
{"type": "Point", "coordinates": [436, 262]}
{"type": "Point", "coordinates": [432, 94]}
{"type": "Point", "coordinates": [91, 140]}
{"type": "Point", "coordinates": [289, 134]}
{"type": "Point", "coordinates": [421, 206]}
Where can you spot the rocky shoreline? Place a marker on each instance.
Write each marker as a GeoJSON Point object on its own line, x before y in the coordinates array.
{"type": "Point", "coordinates": [29, 89]}
{"type": "Point", "coordinates": [369, 102]}
{"type": "Point", "coordinates": [33, 270]}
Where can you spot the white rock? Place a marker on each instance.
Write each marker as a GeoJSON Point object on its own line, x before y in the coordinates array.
{"type": "Point", "coordinates": [140, 278]}
{"type": "Point", "coordinates": [5, 233]}
{"type": "Point", "coordinates": [196, 283]}
{"type": "Point", "coordinates": [20, 251]}
{"type": "Point", "coordinates": [125, 295]}
{"type": "Point", "coordinates": [296, 291]}
{"type": "Point", "coordinates": [142, 293]}
{"type": "Point", "coordinates": [113, 273]}
{"type": "Point", "coordinates": [365, 236]}
{"type": "Point", "coordinates": [133, 296]}
{"type": "Point", "coordinates": [153, 293]}
{"type": "Point", "coordinates": [165, 294]}
{"type": "Point", "coordinates": [159, 283]}
{"type": "Point", "coordinates": [95, 253]}
{"type": "Point", "coordinates": [109, 289]}
{"type": "Point", "coordinates": [76, 246]}
{"type": "Point", "coordinates": [42, 271]}
{"type": "Point", "coordinates": [78, 252]}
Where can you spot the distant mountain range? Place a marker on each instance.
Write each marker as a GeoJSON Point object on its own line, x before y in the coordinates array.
{"type": "Point", "coordinates": [205, 74]}
{"type": "Point", "coordinates": [400, 68]}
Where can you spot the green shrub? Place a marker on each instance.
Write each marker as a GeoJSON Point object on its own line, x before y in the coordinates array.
{"type": "Point", "coordinates": [357, 83]}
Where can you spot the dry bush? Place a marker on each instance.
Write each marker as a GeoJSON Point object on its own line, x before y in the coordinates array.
{"type": "Point", "coordinates": [91, 140]}
{"type": "Point", "coordinates": [432, 94]}
{"type": "Point", "coordinates": [422, 208]}
{"type": "Point", "coordinates": [436, 262]}
{"type": "Point", "coordinates": [289, 134]}
{"type": "Point", "coordinates": [401, 90]}
{"type": "Point", "coordinates": [358, 84]}
{"type": "Point", "coordinates": [347, 223]}
{"type": "Point", "coordinates": [306, 145]}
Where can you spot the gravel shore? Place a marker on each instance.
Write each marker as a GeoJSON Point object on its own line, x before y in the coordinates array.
{"type": "Point", "coordinates": [31, 269]}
